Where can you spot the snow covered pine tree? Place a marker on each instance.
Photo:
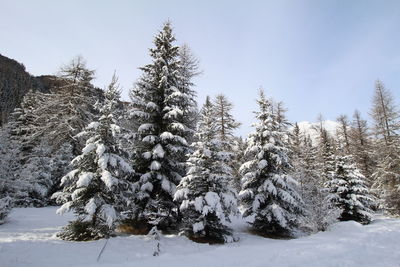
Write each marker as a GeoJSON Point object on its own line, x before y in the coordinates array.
{"type": "Point", "coordinates": [205, 194]}
{"type": "Point", "coordinates": [269, 194]}
{"type": "Point", "coordinates": [98, 187]}
{"type": "Point", "coordinates": [326, 157]}
{"type": "Point", "coordinates": [162, 106]}
{"type": "Point", "coordinates": [225, 126]}
{"type": "Point", "coordinates": [320, 213]}
{"type": "Point", "coordinates": [349, 192]}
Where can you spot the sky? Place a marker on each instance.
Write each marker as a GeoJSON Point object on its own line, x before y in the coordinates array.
{"type": "Point", "coordinates": [315, 56]}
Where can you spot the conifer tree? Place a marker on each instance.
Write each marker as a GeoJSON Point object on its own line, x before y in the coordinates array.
{"type": "Point", "coordinates": [7, 156]}
{"type": "Point", "coordinates": [343, 134]}
{"type": "Point", "coordinates": [225, 122]}
{"type": "Point", "coordinates": [28, 163]}
{"type": "Point", "coordinates": [296, 138]}
{"type": "Point", "coordinates": [188, 70]}
{"type": "Point", "coordinates": [319, 213]}
{"type": "Point", "coordinates": [269, 193]}
{"type": "Point", "coordinates": [205, 194]}
{"type": "Point", "coordinates": [362, 146]}
{"type": "Point", "coordinates": [9, 161]}
{"type": "Point", "coordinates": [386, 128]}
{"type": "Point", "coordinates": [42, 134]}
{"type": "Point", "coordinates": [6, 202]}
{"type": "Point", "coordinates": [349, 192]}
{"type": "Point", "coordinates": [385, 114]}
{"type": "Point", "coordinates": [326, 157]}
{"type": "Point", "coordinates": [239, 149]}
{"type": "Point", "coordinates": [162, 106]}
{"type": "Point", "coordinates": [225, 127]}
{"type": "Point", "coordinates": [280, 110]}
{"type": "Point", "coordinates": [98, 188]}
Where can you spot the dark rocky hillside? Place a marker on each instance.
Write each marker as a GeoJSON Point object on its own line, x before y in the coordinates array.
{"type": "Point", "coordinates": [15, 82]}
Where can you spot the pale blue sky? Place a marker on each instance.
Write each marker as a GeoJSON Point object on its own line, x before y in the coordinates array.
{"type": "Point", "coordinates": [316, 56]}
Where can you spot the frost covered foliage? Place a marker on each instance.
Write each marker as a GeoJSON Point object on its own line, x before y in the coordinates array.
{"type": "Point", "coordinates": [188, 70]}
{"type": "Point", "coordinates": [205, 196]}
{"type": "Point", "coordinates": [39, 136]}
{"type": "Point", "coordinates": [162, 108]}
{"type": "Point", "coordinates": [28, 163]}
{"type": "Point", "coordinates": [5, 208]}
{"type": "Point", "coordinates": [386, 176]}
{"type": "Point", "coordinates": [225, 127]}
{"type": "Point", "coordinates": [67, 109]}
{"type": "Point", "coordinates": [98, 188]}
{"type": "Point", "coordinates": [348, 191]}
{"type": "Point", "coordinates": [269, 194]}
{"type": "Point", "coordinates": [361, 145]}
{"type": "Point", "coordinates": [80, 230]}
{"type": "Point", "coordinates": [326, 157]}
{"type": "Point", "coordinates": [6, 187]}
{"type": "Point", "coordinates": [319, 213]}
{"type": "Point", "coordinates": [239, 149]}
{"type": "Point", "coordinates": [6, 201]}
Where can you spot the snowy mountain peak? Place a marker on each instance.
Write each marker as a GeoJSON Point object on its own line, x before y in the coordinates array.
{"type": "Point", "coordinates": [309, 128]}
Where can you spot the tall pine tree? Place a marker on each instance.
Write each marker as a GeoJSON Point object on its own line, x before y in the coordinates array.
{"type": "Point", "coordinates": [326, 150]}
{"type": "Point", "coordinates": [269, 193]}
{"type": "Point", "coordinates": [205, 194]}
{"type": "Point", "coordinates": [98, 189]}
{"type": "Point", "coordinates": [162, 106]}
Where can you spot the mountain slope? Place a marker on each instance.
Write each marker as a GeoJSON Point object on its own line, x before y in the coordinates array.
{"type": "Point", "coordinates": [310, 128]}
{"type": "Point", "coordinates": [15, 82]}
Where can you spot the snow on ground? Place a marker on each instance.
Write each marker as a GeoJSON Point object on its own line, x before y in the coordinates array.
{"type": "Point", "coordinates": [28, 239]}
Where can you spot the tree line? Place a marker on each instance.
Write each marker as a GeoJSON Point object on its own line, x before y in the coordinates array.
{"type": "Point", "coordinates": [158, 163]}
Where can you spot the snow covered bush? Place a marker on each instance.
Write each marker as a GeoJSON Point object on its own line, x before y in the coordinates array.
{"type": "Point", "coordinates": [348, 191]}
{"type": "Point", "coordinates": [5, 208]}
{"type": "Point", "coordinates": [97, 190]}
{"type": "Point", "coordinates": [80, 230]}
{"type": "Point", "coordinates": [269, 194]}
{"type": "Point", "coordinates": [205, 194]}
{"type": "Point", "coordinates": [319, 213]}
{"type": "Point", "coordinates": [6, 201]}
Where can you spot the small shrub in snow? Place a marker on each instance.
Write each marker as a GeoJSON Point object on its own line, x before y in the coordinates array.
{"type": "Point", "coordinates": [84, 231]}
{"type": "Point", "coordinates": [349, 192]}
{"type": "Point", "coordinates": [5, 208]}
{"type": "Point", "coordinates": [320, 213]}
{"type": "Point", "coordinates": [6, 200]}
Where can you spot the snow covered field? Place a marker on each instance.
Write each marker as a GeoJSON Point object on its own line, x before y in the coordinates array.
{"type": "Point", "coordinates": [28, 239]}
